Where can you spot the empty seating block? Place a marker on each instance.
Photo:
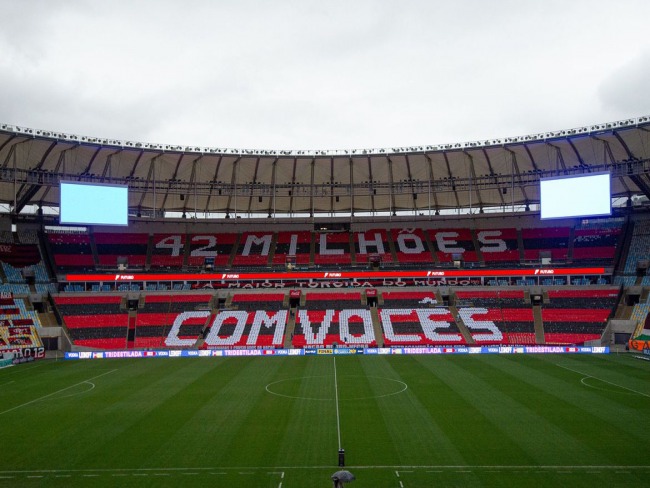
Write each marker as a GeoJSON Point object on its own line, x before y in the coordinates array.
{"type": "Point", "coordinates": [214, 246]}
{"type": "Point", "coordinates": [596, 245]}
{"type": "Point", "coordinates": [498, 245]}
{"type": "Point", "coordinates": [254, 320]}
{"type": "Point", "coordinates": [155, 321]}
{"type": "Point", "coordinates": [133, 246]}
{"type": "Point", "coordinates": [453, 243]}
{"type": "Point", "coordinates": [71, 250]}
{"type": "Point", "coordinates": [94, 321]}
{"type": "Point", "coordinates": [553, 240]}
{"type": "Point", "coordinates": [332, 248]}
{"type": "Point", "coordinates": [497, 317]}
{"type": "Point", "coordinates": [296, 244]}
{"type": "Point", "coordinates": [372, 242]}
{"type": "Point", "coordinates": [333, 318]}
{"type": "Point", "coordinates": [411, 246]}
{"type": "Point", "coordinates": [254, 249]}
{"type": "Point", "coordinates": [576, 316]}
{"type": "Point", "coordinates": [167, 251]}
{"type": "Point", "coordinates": [413, 318]}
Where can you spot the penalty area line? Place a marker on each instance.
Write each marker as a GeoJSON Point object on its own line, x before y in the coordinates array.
{"type": "Point", "coordinates": [58, 391]}
{"type": "Point", "coordinates": [604, 381]}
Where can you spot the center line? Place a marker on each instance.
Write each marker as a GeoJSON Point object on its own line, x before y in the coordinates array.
{"type": "Point", "coordinates": [336, 396]}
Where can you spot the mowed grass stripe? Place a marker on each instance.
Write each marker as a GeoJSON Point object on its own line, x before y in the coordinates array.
{"type": "Point", "coordinates": [593, 411]}
{"type": "Point", "coordinates": [498, 400]}
{"type": "Point", "coordinates": [415, 430]}
{"type": "Point", "coordinates": [310, 436]}
{"type": "Point", "coordinates": [455, 403]}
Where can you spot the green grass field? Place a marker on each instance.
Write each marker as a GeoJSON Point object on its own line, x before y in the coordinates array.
{"type": "Point", "coordinates": [405, 421]}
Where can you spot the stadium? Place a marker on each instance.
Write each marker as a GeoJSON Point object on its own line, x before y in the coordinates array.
{"type": "Point", "coordinates": [421, 316]}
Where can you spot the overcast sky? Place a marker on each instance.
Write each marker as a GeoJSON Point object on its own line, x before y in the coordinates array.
{"type": "Point", "coordinates": [324, 74]}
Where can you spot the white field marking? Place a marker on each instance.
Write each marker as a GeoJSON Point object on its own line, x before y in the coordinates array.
{"type": "Point", "coordinates": [58, 391]}
{"type": "Point", "coordinates": [584, 382]}
{"type": "Point", "coordinates": [268, 388]}
{"type": "Point", "coordinates": [336, 395]}
{"type": "Point", "coordinates": [8, 383]}
{"type": "Point", "coordinates": [604, 381]}
{"type": "Point", "coordinates": [397, 473]}
{"type": "Point", "coordinates": [401, 484]}
{"type": "Point", "coordinates": [126, 471]}
{"type": "Point", "coordinates": [23, 368]}
{"type": "Point", "coordinates": [280, 485]}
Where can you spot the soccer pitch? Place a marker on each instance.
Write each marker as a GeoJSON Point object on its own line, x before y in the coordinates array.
{"type": "Point", "coordinates": [404, 421]}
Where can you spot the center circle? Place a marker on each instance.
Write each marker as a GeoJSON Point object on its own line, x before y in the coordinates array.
{"type": "Point", "coordinates": [349, 387]}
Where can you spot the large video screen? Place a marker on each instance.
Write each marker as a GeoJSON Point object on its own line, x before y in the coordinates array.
{"type": "Point", "coordinates": [576, 196]}
{"type": "Point", "coordinates": [83, 203]}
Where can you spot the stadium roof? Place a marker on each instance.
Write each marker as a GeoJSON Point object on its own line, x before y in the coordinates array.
{"type": "Point", "coordinates": [498, 174]}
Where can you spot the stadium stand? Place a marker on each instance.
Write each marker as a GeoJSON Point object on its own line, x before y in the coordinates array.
{"type": "Point", "coordinates": [411, 247]}
{"type": "Point", "coordinates": [94, 320]}
{"type": "Point", "coordinates": [504, 309]}
{"type": "Point", "coordinates": [167, 251]}
{"type": "Point", "coordinates": [596, 242]}
{"type": "Point", "coordinates": [413, 318]}
{"type": "Point", "coordinates": [575, 316]}
{"type": "Point", "coordinates": [552, 240]}
{"type": "Point", "coordinates": [451, 243]}
{"type": "Point", "coordinates": [333, 318]}
{"type": "Point", "coordinates": [111, 246]}
{"type": "Point", "coordinates": [213, 246]}
{"type": "Point", "coordinates": [70, 250]}
{"type": "Point", "coordinates": [332, 248]}
{"type": "Point", "coordinates": [499, 247]}
{"type": "Point", "coordinates": [155, 320]}
{"type": "Point", "coordinates": [254, 249]}
{"type": "Point", "coordinates": [370, 242]}
{"type": "Point", "coordinates": [296, 244]}
{"type": "Point", "coordinates": [253, 320]}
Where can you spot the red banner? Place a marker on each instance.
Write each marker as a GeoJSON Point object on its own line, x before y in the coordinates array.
{"type": "Point", "coordinates": [334, 275]}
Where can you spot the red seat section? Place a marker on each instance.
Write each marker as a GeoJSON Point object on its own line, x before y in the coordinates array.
{"type": "Point", "coordinates": [296, 244]}
{"type": "Point", "coordinates": [254, 249]}
{"type": "Point", "coordinates": [167, 250]}
{"type": "Point", "coordinates": [451, 243]}
{"type": "Point", "coordinates": [497, 316]}
{"type": "Point", "coordinates": [411, 246]}
{"type": "Point", "coordinates": [216, 246]}
{"type": "Point", "coordinates": [94, 321]}
{"type": "Point", "coordinates": [156, 319]}
{"type": "Point", "coordinates": [333, 318]}
{"type": "Point", "coordinates": [498, 245]}
{"type": "Point", "coordinates": [112, 245]}
{"type": "Point", "coordinates": [553, 240]}
{"type": "Point", "coordinates": [414, 318]}
{"type": "Point", "coordinates": [71, 250]}
{"type": "Point", "coordinates": [576, 316]}
{"type": "Point", "coordinates": [596, 244]}
{"type": "Point", "coordinates": [372, 242]}
{"type": "Point", "coordinates": [332, 248]}
{"type": "Point", "coordinates": [253, 320]}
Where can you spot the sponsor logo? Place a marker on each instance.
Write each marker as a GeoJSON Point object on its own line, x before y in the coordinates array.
{"type": "Point", "coordinates": [544, 271]}
{"type": "Point", "coordinates": [332, 275]}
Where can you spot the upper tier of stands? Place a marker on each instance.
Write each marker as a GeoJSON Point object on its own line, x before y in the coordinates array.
{"type": "Point", "coordinates": [586, 244]}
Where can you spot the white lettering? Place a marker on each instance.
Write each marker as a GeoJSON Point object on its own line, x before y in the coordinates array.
{"type": "Point", "coordinates": [172, 338]}
{"type": "Point", "coordinates": [264, 241]}
{"type": "Point", "coordinates": [376, 242]}
{"type": "Point", "coordinates": [487, 237]}
{"type": "Point", "coordinates": [445, 244]}
{"type": "Point", "coordinates": [416, 247]}
{"type": "Point", "coordinates": [278, 319]}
